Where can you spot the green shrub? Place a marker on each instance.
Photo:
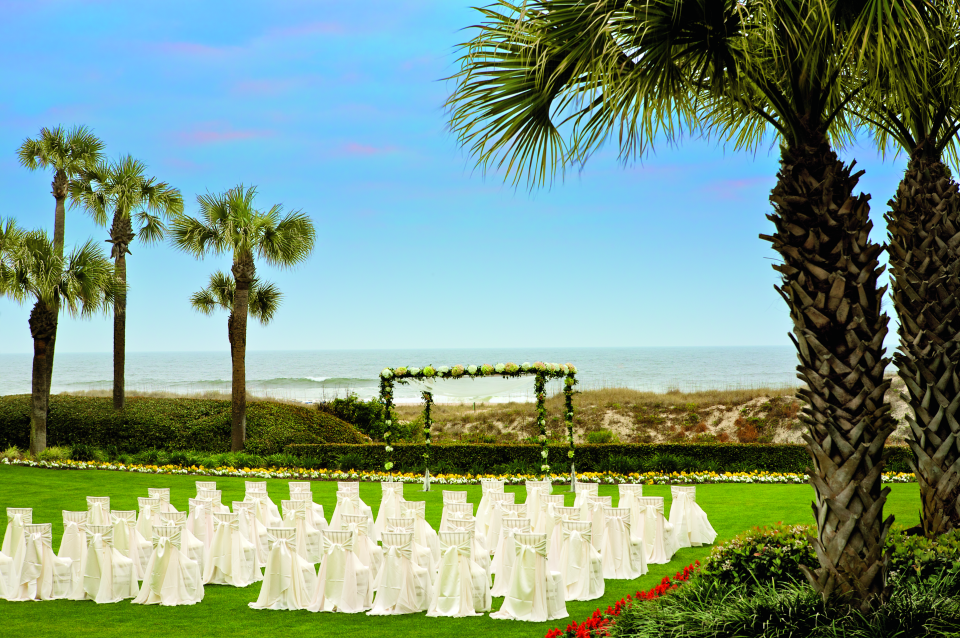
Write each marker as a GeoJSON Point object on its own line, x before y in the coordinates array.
{"type": "Point", "coordinates": [366, 416]}
{"type": "Point", "coordinates": [12, 452]}
{"type": "Point", "coordinates": [84, 452]}
{"type": "Point", "coordinates": [55, 453]}
{"type": "Point", "coordinates": [761, 555]}
{"type": "Point", "coordinates": [600, 437]}
{"type": "Point", "coordinates": [171, 424]}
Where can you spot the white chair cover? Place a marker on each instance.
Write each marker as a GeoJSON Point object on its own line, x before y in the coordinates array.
{"type": "Point", "coordinates": [212, 485]}
{"type": "Point", "coordinates": [402, 586]}
{"type": "Point", "coordinates": [544, 524]}
{"type": "Point", "coordinates": [349, 486]}
{"type": "Point", "coordinates": [348, 502]}
{"type": "Point", "coordinates": [455, 510]}
{"type": "Point", "coordinates": [480, 554]}
{"type": "Point", "coordinates": [535, 593]}
{"type": "Point", "coordinates": [596, 507]}
{"type": "Point", "coordinates": [462, 587]}
{"type": "Point", "coordinates": [216, 497]}
{"type": "Point", "coordinates": [555, 543]}
{"type": "Point", "coordinates": [99, 508]}
{"type": "Point", "coordinates": [580, 563]}
{"type": "Point", "coordinates": [172, 577]}
{"type": "Point", "coordinates": [189, 545]}
{"type": "Point", "coordinates": [299, 486]}
{"type": "Point", "coordinates": [266, 510]}
{"type": "Point", "coordinates": [583, 491]}
{"type": "Point", "coordinates": [13, 548]}
{"type": "Point", "coordinates": [369, 553]}
{"type": "Point", "coordinates": [200, 521]}
{"type": "Point", "coordinates": [484, 510]}
{"type": "Point", "coordinates": [623, 558]}
{"type": "Point", "coordinates": [629, 493]}
{"type": "Point", "coordinates": [423, 533]}
{"type": "Point", "coordinates": [422, 554]}
{"type": "Point", "coordinates": [343, 584]}
{"type": "Point", "coordinates": [454, 496]}
{"type": "Point", "coordinates": [497, 512]}
{"type": "Point", "coordinates": [309, 542]}
{"type": "Point", "coordinates": [73, 545]}
{"type": "Point", "coordinates": [128, 540]}
{"type": "Point", "coordinates": [536, 489]}
{"type": "Point", "coordinates": [163, 493]}
{"type": "Point", "coordinates": [516, 510]}
{"type": "Point", "coordinates": [150, 509]}
{"type": "Point", "coordinates": [690, 525]}
{"type": "Point", "coordinates": [108, 575]}
{"type": "Point", "coordinates": [656, 529]}
{"type": "Point", "coordinates": [314, 511]}
{"type": "Point", "coordinates": [289, 581]}
{"type": "Point", "coordinates": [391, 495]}
{"type": "Point", "coordinates": [353, 487]}
{"type": "Point", "coordinates": [252, 529]}
{"type": "Point", "coordinates": [232, 559]}
{"type": "Point", "coordinates": [42, 574]}
{"type": "Point", "coordinates": [505, 553]}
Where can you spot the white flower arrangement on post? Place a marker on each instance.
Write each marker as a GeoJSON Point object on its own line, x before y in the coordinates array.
{"type": "Point", "coordinates": [542, 372]}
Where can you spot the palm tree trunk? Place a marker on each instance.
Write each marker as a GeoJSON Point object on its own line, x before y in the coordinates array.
{"type": "Point", "coordinates": [829, 281]}
{"type": "Point", "coordinates": [59, 189]}
{"type": "Point", "coordinates": [42, 326]}
{"type": "Point", "coordinates": [119, 332]}
{"type": "Point", "coordinates": [923, 221]}
{"type": "Point", "coordinates": [243, 272]}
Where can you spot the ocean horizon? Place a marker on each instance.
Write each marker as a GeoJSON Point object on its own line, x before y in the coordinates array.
{"type": "Point", "coordinates": [320, 375]}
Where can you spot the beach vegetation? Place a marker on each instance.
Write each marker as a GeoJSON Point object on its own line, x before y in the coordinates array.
{"type": "Point", "coordinates": [230, 224]}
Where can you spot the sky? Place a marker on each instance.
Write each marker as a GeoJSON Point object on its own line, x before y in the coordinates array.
{"type": "Point", "coordinates": [340, 113]}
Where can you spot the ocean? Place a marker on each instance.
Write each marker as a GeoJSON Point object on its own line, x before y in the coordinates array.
{"type": "Point", "coordinates": [325, 374]}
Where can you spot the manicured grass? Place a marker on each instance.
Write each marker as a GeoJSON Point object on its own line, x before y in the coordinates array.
{"type": "Point", "coordinates": [224, 611]}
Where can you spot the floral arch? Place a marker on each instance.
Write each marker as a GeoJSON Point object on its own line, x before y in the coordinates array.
{"type": "Point", "coordinates": [542, 372]}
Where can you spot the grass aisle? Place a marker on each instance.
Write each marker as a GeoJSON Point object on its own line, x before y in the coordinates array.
{"type": "Point", "coordinates": [224, 611]}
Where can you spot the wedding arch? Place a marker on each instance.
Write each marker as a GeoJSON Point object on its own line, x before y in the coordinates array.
{"type": "Point", "coordinates": [431, 377]}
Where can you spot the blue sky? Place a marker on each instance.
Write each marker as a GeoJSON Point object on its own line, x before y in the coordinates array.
{"type": "Point", "coordinates": [340, 113]}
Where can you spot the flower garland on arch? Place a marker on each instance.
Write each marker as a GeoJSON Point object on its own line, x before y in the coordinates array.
{"type": "Point", "coordinates": [542, 371]}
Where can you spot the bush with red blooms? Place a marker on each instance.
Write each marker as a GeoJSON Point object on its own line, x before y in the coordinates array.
{"type": "Point", "coordinates": [599, 623]}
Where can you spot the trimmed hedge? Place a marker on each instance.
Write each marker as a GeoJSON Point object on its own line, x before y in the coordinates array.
{"type": "Point", "coordinates": [624, 458]}
{"type": "Point", "coordinates": [171, 424]}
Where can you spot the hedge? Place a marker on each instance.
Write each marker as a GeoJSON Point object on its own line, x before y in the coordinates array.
{"type": "Point", "coordinates": [171, 424]}
{"type": "Point", "coordinates": [623, 458]}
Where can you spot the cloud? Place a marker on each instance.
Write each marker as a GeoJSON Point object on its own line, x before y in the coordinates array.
{"type": "Point", "coordinates": [355, 148]}
{"type": "Point", "coordinates": [218, 134]}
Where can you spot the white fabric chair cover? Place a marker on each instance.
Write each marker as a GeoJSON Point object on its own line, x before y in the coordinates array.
{"type": "Point", "coordinates": [402, 586]}
{"type": "Point", "coordinates": [535, 593]}
{"type": "Point", "coordinates": [349, 486]}
{"type": "Point", "coordinates": [172, 577]}
{"type": "Point", "coordinates": [455, 510]}
{"type": "Point", "coordinates": [480, 554]}
{"type": "Point", "coordinates": [353, 487]}
{"type": "Point", "coordinates": [497, 512]}
{"type": "Point", "coordinates": [625, 490]}
{"type": "Point", "coordinates": [422, 554]}
{"type": "Point", "coordinates": [555, 540]}
{"type": "Point", "coordinates": [42, 575]}
{"type": "Point", "coordinates": [454, 496]}
{"type": "Point", "coordinates": [505, 553]}
{"type": "Point", "coordinates": [189, 545]}
{"type": "Point", "coordinates": [216, 497]}
{"type": "Point", "coordinates": [583, 491]}
{"type": "Point", "coordinates": [309, 542]}
{"type": "Point", "coordinates": [150, 509]}
{"type": "Point", "coordinates": [200, 521]}
{"type": "Point", "coordinates": [108, 575]}
{"type": "Point", "coordinates": [423, 532]}
{"type": "Point", "coordinates": [99, 508]}
{"type": "Point", "coordinates": [73, 546]}
{"type": "Point", "coordinates": [299, 486]}
{"type": "Point", "coordinates": [484, 509]}
{"type": "Point", "coordinates": [252, 529]}
{"type": "Point", "coordinates": [369, 553]}
{"type": "Point", "coordinates": [623, 558]}
{"type": "Point", "coordinates": [545, 521]}
{"type": "Point", "coordinates": [266, 510]}
{"type": "Point", "coordinates": [343, 584]}
{"type": "Point", "coordinates": [289, 582]}
{"type": "Point", "coordinates": [314, 511]}
{"type": "Point", "coordinates": [128, 540]}
{"type": "Point", "coordinates": [462, 587]}
{"type": "Point", "coordinates": [656, 529]}
{"type": "Point", "coordinates": [690, 525]}
{"type": "Point", "coordinates": [163, 493]}
{"type": "Point", "coordinates": [596, 507]}
{"type": "Point", "coordinates": [212, 485]}
{"type": "Point", "coordinates": [580, 563]}
{"type": "Point", "coordinates": [232, 559]}
{"type": "Point", "coordinates": [516, 510]}
{"type": "Point", "coordinates": [13, 548]}
{"type": "Point", "coordinates": [629, 493]}
{"type": "Point", "coordinates": [390, 497]}
{"type": "Point", "coordinates": [536, 489]}
{"type": "Point", "coordinates": [348, 502]}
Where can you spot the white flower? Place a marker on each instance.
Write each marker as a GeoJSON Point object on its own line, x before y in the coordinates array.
{"type": "Point", "coordinates": [544, 468]}
{"type": "Point", "coordinates": [386, 373]}
{"type": "Point", "coordinates": [386, 435]}
{"type": "Point", "coordinates": [500, 367]}
{"type": "Point", "coordinates": [541, 422]}
{"type": "Point", "coordinates": [388, 449]}
{"type": "Point", "coordinates": [414, 371]}
{"type": "Point", "coordinates": [472, 369]}
{"type": "Point", "coordinates": [443, 369]}
{"type": "Point", "coordinates": [563, 368]}
{"type": "Point", "coordinates": [544, 453]}
{"type": "Point", "coordinates": [388, 465]}
{"type": "Point", "coordinates": [388, 422]}
{"type": "Point", "coordinates": [525, 365]}
{"type": "Point", "coordinates": [542, 437]}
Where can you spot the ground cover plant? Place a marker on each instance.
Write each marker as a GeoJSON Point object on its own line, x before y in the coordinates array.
{"type": "Point", "coordinates": [223, 612]}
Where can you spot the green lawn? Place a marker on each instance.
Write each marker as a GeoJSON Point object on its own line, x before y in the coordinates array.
{"type": "Point", "coordinates": [224, 611]}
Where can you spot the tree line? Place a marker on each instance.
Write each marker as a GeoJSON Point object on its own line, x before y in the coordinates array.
{"type": "Point", "coordinates": [84, 280]}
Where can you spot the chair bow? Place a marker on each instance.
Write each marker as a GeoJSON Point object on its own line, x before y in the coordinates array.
{"type": "Point", "coordinates": [297, 513]}
{"type": "Point", "coordinates": [97, 540]}
{"type": "Point", "coordinates": [233, 524]}
{"type": "Point", "coordinates": [160, 543]}
{"type": "Point", "coordinates": [539, 546]}
{"type": "Point", "coordinates": [577, 535]}
{"type": "Point", "coordinates": [120, 520]}
{"type": "Point", "coordinates": [402, 551]}
{"type": "Point", "coordinates": [356, 528]}
{"type": "Point", "coordinates": [461, 548]}
{"type": "Point", "coordinates": [330, 546]}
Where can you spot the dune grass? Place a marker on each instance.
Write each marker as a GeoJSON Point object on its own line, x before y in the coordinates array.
{"type": "Point", "coordinates": [224, 611]}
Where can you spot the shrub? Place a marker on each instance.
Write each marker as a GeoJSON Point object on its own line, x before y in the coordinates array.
{"type": "Point", "coordinates": [599, 437]}
{"type": "Point", "coordinates": [171, 424]}
{"type": "Point", "coordinates": [84, 452]}
{"type": "Point", "coordinates": [55, 453]}
{"type": "Point", "coordinates": [761, 555]}
{"type": "Point", "coordinates": [12, 452]}
{"type": "Point", "coordinates": [366, 416]}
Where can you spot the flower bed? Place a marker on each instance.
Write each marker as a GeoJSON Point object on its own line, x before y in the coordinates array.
{"type": "Point", "coordinates": [599, 623]}
{"type": "Point", "coordinates": [650, 478]}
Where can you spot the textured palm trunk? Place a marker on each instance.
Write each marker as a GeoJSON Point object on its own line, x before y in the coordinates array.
{"type": "Point", "coordinates": [59, 190]}
{"type": "Point", "coordinates": [121, 234]}
{"type": "Point", "coordinates": [42, 327]}
{"type": "Point", "coordinates": [924, 229]}
{"type": "Point", "coordinates": [243, 272]}
{"type": "Point", "coordinates": [829, 281]}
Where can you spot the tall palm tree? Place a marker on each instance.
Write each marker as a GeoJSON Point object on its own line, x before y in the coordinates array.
{"type": "Point", "coordinates": [546, 82]}
{"type": "Point", "coordinates": [262, 304]}
{"type": "Point", "coordinates": [82, 283]}
{"type": "Point", "coordinates": [68, 151]}
{"type": "Point", "coordinates": [123, 188]}
{"type": "Point", "coordinates": [229, 223]}
{"type": "Point", "coordinates": [923, 221]}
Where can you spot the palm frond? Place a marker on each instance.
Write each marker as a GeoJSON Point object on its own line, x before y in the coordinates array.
{"type": "Point", "coordinates": [265, 299]}
{"type": "Point", "coordinates": [285, 241]}
{"type": "Point", "coordinates": [70, 150]}
{"type": "Point", "coordinates": [217, 295]}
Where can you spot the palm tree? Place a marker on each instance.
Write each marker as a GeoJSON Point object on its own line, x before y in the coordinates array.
{"type": "Point", "coordinates": [68, 152]}
{"type": "Point", "coordinates": [229, 223]}
{"type": "Point", "coordinates": [262, 303]}
{"type": "Point", "coordinates": [546, 82]}
{"type": "Point", "coordinates": [82, 283]}
{"type": "Point", "coordinates": [923, 221]}
{"type": "Point", "coordinates": [124, 188]}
